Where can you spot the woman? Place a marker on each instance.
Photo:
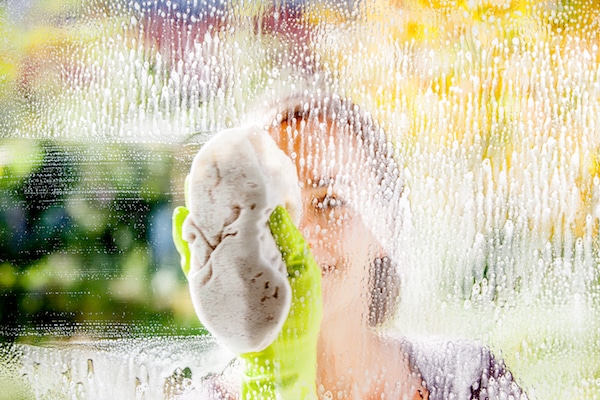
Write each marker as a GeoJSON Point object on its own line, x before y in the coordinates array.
{"type": "Point", "coordinates": [350, 193]}
{"type": "Point", "coordinates": [349, 179]}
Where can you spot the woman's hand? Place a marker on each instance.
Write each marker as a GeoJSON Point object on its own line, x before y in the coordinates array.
{"type": "Point", "coordinates": [287, 368]}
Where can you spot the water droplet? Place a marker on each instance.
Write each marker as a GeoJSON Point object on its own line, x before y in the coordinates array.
{"type": "Point", "coordinates": [90, 369]}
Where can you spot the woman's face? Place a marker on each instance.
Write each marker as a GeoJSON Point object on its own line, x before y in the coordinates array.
{"type": "Point", "coordinates": [330, 175]}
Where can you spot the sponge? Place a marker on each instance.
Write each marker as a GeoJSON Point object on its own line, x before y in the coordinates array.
{"type": "Point", "coordinates": [238, 280]}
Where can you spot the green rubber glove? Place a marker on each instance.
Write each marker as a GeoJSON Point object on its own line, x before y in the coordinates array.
{"type": "Point", "coordinates": [179, 216]}
{"type": "Point", "coordinates": [286, 369]}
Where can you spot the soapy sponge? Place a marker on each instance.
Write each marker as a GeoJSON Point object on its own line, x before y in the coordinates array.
{"type": "Point", "coordinates": [238, 280]}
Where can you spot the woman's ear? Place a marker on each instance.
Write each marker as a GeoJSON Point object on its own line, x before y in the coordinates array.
{"type": "Point", "coordinates": [384, 287]}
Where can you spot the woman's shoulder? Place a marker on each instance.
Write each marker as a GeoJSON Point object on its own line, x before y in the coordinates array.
{"type": "Point", "coordinates": [460, 369]}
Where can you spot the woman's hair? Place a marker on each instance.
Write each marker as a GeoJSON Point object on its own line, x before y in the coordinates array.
{"type": "Point", "coordinates": [383, 171]}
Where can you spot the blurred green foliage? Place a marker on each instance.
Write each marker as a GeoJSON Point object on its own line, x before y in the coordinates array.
{"type": "Point", "coordinates": [85, 242]}
{"type": "Point", "coordinates": [85, 236]}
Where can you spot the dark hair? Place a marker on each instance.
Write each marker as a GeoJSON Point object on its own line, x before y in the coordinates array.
{"type": "Point", "coordinates": [384, 281]}
{"type": "Point", "coordinates": [333, 108]}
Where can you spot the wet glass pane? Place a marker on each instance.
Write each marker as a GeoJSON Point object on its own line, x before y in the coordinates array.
{"type": "Point", "coordinates": [457, 231]}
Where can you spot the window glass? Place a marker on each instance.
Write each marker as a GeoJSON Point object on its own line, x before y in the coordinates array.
{"type": "Point", "coordinates": [487, 209]}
